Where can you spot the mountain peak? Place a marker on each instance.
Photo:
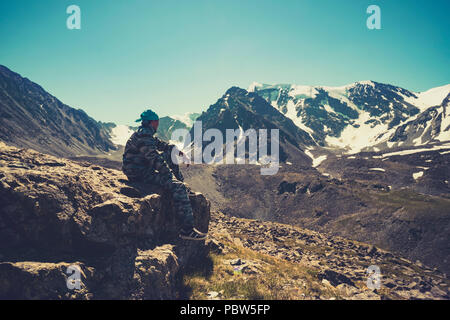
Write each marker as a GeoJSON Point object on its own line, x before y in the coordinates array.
{"type": "Point", "coordinates": [253, 86]}
{"type": "Point", "coordinates": [235, 91]}
{"type": "Point", "coordinates": [366, 83]}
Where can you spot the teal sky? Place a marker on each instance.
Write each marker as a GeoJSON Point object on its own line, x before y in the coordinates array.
{"type": "Point", "coordinates": [178, 56]}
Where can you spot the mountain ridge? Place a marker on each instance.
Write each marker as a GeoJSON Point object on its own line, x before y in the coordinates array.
{"type": "Point", "coordinates": [31, 117]}
{"type": "Point", "coordinates": [342, 117]}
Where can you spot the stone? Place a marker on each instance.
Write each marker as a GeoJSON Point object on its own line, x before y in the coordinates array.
{"type": "Point", "coordinates": [325, 282]}
{"type": "Point", "coordinates": [335, 278]}
{"type": "Point", "coordinates": [214, 246]}
{"type": "Point", "coordinates": [213, 294]}
{"type": "Point", "coordinates": [236, 262]}
{"type": "Point", "coordinates": [372, 250]}
{"type": "Point", "coordinates": [43, 280]}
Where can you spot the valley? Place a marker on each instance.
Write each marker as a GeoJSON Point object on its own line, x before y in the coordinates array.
{"type": "Point", "coordinates": [363, 163]}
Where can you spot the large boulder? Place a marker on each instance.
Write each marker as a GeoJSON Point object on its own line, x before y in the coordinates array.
{"type": "Point", "coordinates": [55, 213]}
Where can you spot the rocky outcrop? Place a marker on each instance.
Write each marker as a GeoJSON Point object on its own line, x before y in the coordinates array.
{"type": "Point", "coordinates": [60, 218]}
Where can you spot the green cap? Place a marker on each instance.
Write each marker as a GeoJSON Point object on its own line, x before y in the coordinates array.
{"type": "Point", "coordinates": [148, 115]}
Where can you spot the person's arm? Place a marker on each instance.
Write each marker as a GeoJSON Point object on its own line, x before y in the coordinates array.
{"type": "Point", "coordinates": [149, 149]}
{"type": "Point", "coordinates": [168, 148]}
{"type": "Point", "coordinates": [163, 146]}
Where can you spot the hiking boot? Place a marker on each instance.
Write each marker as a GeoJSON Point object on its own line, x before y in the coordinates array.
{"type": "Point", "coordinates": [192, 234]}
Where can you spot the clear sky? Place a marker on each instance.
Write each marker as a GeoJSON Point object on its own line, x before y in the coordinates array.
{"type": "Point", "coordinates": [180, 56]}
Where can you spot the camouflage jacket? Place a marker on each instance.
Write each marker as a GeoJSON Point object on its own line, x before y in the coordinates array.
{"type": "Point", "coordinates": [144, 150]}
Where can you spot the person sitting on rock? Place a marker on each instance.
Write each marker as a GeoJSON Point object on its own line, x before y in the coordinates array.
{"type": "Point", "coordinates": [148, 159]}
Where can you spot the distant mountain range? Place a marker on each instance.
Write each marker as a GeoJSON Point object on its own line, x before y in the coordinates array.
{"type": "Point", "coordinates": [30, 117]}
{"type": "Point", "coordinates": [362, 116]}
{"type": "Point", "coordinates": [393, 192]}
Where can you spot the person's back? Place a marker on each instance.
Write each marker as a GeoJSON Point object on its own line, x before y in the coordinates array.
{"type": "Point", "coordinates": [144, 159]}
{"type": "Point", "coordinates": [134, 162]}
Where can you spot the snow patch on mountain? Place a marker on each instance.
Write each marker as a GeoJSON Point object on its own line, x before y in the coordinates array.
{"type": "Point", "coordinates": [120, 134]}
{"type": "Point", "coordinates": [253, 86]}
{"type": "Point", "coordinates": [412, 151]}
{"type": "Point", "coordinates": [358, 136]}
{"type": "Point", "coordinates": [298, 90]}
{"type": "Point", "coordinates": [298, 121]}
{"type": "Point", "coordinates": [316, 160]}
{"type": "Point", "coordinates": [445, 125]}
{"type": "Point", "coordinates": [429, 98]}
{"type": "Point", "coordinates": [417, 175]}
{"type": "Point", "coordinates": [188, 118]}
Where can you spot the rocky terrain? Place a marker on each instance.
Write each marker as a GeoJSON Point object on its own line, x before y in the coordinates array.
{"type": "Point", "coordinates": [352, 205]}
{"type": "Point", "coordinates": [253, 259]}
{"type": "Point", "coordinates": [367, 162]}
{"type": "Point", "coordinates": [422, 169]}
{"type": "Point", "coordinates": [398, 201]}
{"type": "Point", "coordinates": [57, 215]}
{"type": "Point", "coordinates": [30, 117]}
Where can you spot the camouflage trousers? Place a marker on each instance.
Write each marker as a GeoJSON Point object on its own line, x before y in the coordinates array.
{"type": "Point", "coordinates": [172, 180]}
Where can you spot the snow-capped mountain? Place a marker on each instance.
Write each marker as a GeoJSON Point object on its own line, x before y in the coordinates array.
{"type": "Point", "coordinates": [356, 116]}
{"type": "Point", "coordinates": [120, 134]}
{"type": "Point", "coordinates": [241, 110]}
{"type": "Point", "coordinates": [431, 125]}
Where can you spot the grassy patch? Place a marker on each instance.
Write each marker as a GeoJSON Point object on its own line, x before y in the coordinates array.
{"type": "Point", "coordinates": [275, 279]}
{"type": "Point", "coordinates": [416, 204]}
